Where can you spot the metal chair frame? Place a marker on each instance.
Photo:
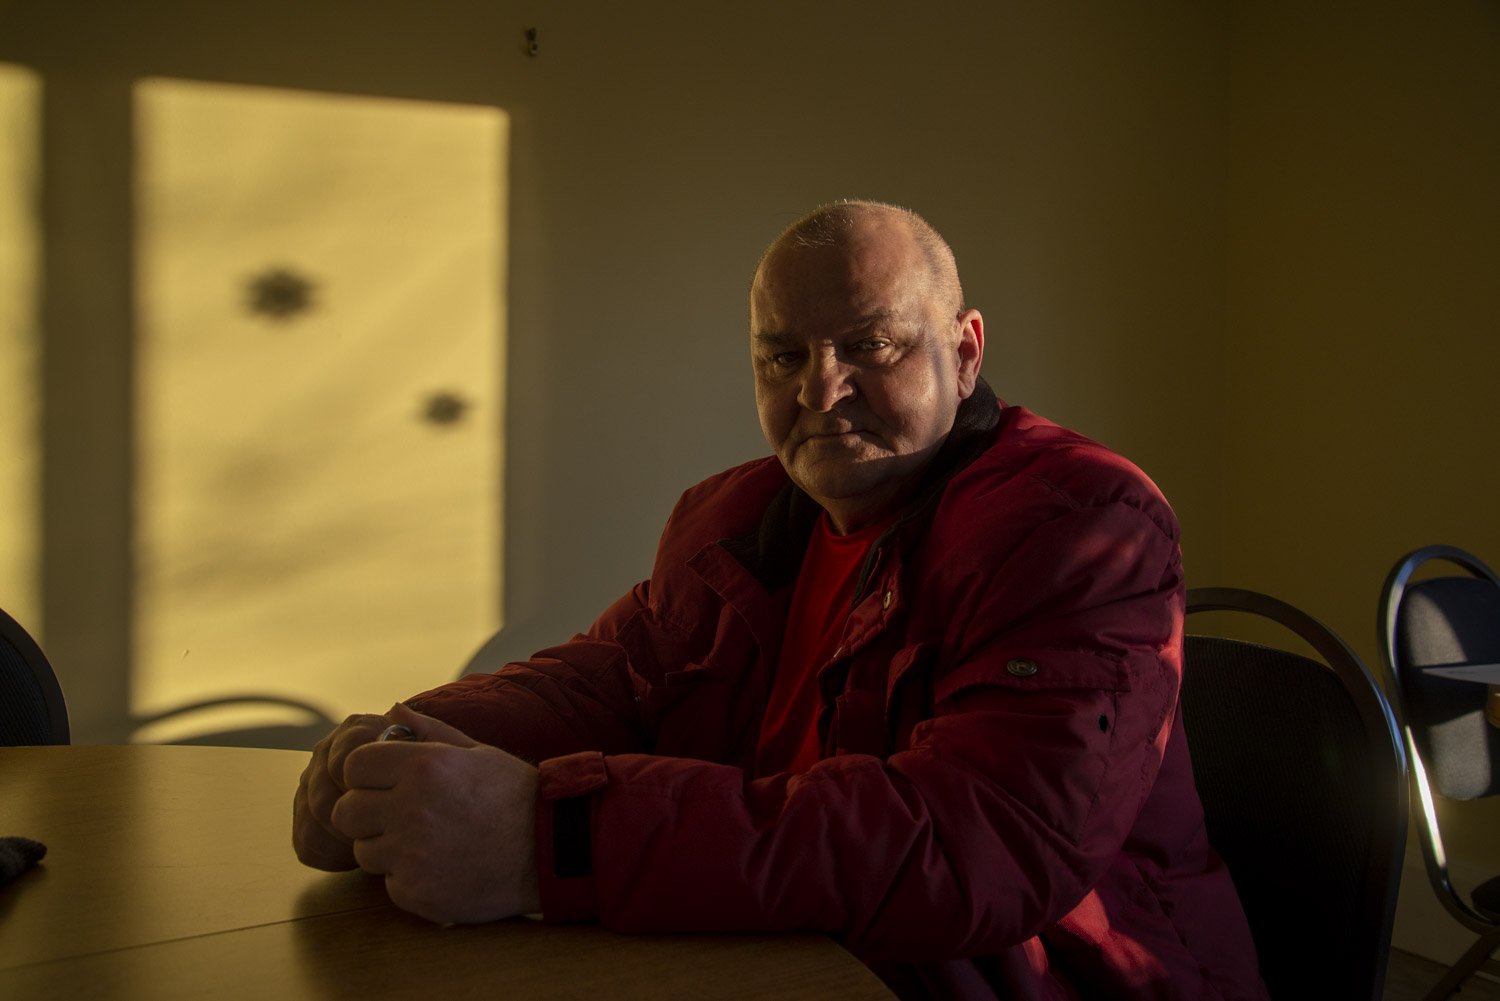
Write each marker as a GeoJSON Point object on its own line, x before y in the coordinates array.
{"type": "Point", "coordinates": [1434, 857]}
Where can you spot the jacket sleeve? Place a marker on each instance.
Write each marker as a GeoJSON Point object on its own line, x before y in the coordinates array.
{"type": "Point", "coordinates": [581, 695]}
{"type": "Point", "coordinates": [568, 698]}
{"type": "Point", "coordinates": [1052, 701]}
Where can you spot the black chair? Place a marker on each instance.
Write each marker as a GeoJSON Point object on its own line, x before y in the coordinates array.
{"type": "Point", "coordinates": [1446, 621]}
{"type": "Point", "coordinates": [32, 710]}
{"type": "Point", "coordinates": [1303, 783]}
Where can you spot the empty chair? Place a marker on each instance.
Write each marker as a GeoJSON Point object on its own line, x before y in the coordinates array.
{"type": "Point", "coordinates": [32, 710]}
{"type": "Point", "coordinates": [1303, 782]}
{"type": "Point", "coordinates": [1447, 622]}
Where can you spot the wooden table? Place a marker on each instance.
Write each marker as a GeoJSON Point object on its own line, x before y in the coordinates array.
{"type": "Point", "coordinates": [170, 874]}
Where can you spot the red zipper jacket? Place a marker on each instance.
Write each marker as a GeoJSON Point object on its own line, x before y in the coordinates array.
{"type": "Point", "coordinates": [1006, 806]}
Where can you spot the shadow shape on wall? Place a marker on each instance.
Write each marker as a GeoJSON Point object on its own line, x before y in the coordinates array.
{"type": "Point", "coordinates": [288, 736]}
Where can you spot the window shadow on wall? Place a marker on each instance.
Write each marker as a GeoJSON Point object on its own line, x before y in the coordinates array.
{"type": "Point", "coordinates": [270, 404]}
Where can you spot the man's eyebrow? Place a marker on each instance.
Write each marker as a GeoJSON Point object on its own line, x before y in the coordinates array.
{"type": "Point", "coordinates": [773, 338]}
{"type": "Point", "coordinates": [886, 318]}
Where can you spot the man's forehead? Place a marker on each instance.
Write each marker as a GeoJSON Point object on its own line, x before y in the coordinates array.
{"type": "Point", "coordinates": [795, 305]}
{"type": "Point", "coordinates": [830, 284]}
{"type": "Point", "coordinates": [876, 244]}
{"type": "Point", "coordinates": [771, 333]}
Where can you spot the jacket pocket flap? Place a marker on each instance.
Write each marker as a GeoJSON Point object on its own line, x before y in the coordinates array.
{"type": "Point", "coordinates": [1036, 670]}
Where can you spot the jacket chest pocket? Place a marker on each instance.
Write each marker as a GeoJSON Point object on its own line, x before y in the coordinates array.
{"type": "Point", "coordinates": [700, 707]}
{"type": "Point", "coordinates": [698, 712]}
{"type": "Point", "coordinates": [859, 724]}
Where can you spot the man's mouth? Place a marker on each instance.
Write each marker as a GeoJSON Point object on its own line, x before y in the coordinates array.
{"type": "Point", "coordinates": [830, 430]}
{"type": "Point", "coordinates": [834, 436]}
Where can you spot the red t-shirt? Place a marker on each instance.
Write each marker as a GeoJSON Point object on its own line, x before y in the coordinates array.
{"type": "Point", "coordinates": [814, 625]}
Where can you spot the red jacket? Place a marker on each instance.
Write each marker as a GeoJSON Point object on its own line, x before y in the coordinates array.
{"type": "Point", "coordinates": [1006, 806]}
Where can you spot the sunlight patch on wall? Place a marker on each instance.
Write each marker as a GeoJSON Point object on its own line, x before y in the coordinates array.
{"type": "Point", "coordinates": [20, 361]}
{"type": "Point", "coordinates": [319, 379]}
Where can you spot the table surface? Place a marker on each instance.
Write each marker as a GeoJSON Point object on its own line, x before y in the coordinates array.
{"type": "Point", "coordinates": [169, 874]}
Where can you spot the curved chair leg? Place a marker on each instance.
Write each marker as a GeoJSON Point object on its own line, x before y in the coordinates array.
{"type": "Point", "coordinates": [1469, 962]}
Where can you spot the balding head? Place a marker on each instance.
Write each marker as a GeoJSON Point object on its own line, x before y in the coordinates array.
{"type": "Point", "coordinates": [836, 224]}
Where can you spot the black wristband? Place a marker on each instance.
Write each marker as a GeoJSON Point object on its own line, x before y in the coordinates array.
{"type": "Point", "coordinates": [572, 841]}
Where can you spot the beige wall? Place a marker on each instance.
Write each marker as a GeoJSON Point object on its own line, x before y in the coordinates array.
{"type": "Point", "coordinates": [1251, 245]}
{"type": "Point", "coordinates": [1362, 315]}
{"type": "Point", "coordinates": [1075, 160]}
{"type": "Point", "coordinates": [1363, 301]}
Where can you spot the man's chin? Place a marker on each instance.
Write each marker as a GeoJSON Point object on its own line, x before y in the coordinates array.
{"type": "Point", "coordinates": [836, 481]}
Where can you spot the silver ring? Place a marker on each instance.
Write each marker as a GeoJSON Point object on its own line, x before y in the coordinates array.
{"type": "Point", "coordinates": [397, 731]}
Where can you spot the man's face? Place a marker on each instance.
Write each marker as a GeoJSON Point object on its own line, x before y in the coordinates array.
{"type": "Point", "coordinates": [859, 367]}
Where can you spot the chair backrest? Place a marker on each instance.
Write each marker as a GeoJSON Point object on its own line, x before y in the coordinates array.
{"type": "Point", "coordinates": [1303, 782]}
{"type": "Point", "coordinates": [32, 710]}
{"type": "Point", "coordinates": [1444, 622]}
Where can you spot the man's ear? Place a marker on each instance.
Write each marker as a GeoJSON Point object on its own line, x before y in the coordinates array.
{"type": "Point", "coordinates": [970, 350]}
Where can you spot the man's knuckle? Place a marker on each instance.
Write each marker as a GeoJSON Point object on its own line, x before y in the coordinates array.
{"type": "Point", "coordinates": [316, 848]}
{"type": "Point", "coordinates": [321, 799]}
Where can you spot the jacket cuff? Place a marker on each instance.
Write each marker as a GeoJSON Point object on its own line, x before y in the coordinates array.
{"type": "Point", "coordinates": [564, 835]}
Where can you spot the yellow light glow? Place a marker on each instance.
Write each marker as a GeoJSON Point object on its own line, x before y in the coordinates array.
{"type": "Point", "coordinates": [319, 379]}
{"type": "Point", "coordinates": [20, 443]}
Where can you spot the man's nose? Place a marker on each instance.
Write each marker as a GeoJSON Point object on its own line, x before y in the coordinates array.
{"type": "Point", "coordinates": [825, 381]}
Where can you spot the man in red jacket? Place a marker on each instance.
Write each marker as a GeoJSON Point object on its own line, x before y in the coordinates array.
{"type": "Point", "coordinates": [912, 682]}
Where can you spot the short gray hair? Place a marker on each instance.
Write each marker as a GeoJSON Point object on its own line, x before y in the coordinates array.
{"type": "Point", "coordinates": [829, 225]}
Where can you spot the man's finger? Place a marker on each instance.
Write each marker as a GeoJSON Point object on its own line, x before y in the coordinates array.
{"type": "Point", "coordinates": [316, 794]}
{"type": "Point", "coordinates": [314, 840]}
{"type": "Point", "coordinates": [325, 853]}
{"type": "Point", "coordinates": [360, 813]}
{"type": "Point", "coordinates": [379, 765]}
{"type": "Point", "coordinates": [353, 733]}
{"type": "Point", "coordinates": [315, 799]}
{"type": "Point", "coordinates": [429, 728]}
{"type": "Point", "coordinates": [372, 856]}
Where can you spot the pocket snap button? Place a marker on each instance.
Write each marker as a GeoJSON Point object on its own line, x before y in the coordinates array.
{"type": "Point", "coordinates": [1021, 667]}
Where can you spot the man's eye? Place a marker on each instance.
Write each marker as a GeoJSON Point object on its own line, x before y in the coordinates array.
{"type": "Point", "coordinates": [784, 359]}
{"type": "Point", "coordinates": [871, 344]}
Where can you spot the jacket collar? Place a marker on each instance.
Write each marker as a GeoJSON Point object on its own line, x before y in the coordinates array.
{"type": "Point", "coordinates": [773, 552]}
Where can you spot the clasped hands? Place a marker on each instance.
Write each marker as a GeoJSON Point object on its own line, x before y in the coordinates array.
{"type": "Point", "coordinates": [448, 822]}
